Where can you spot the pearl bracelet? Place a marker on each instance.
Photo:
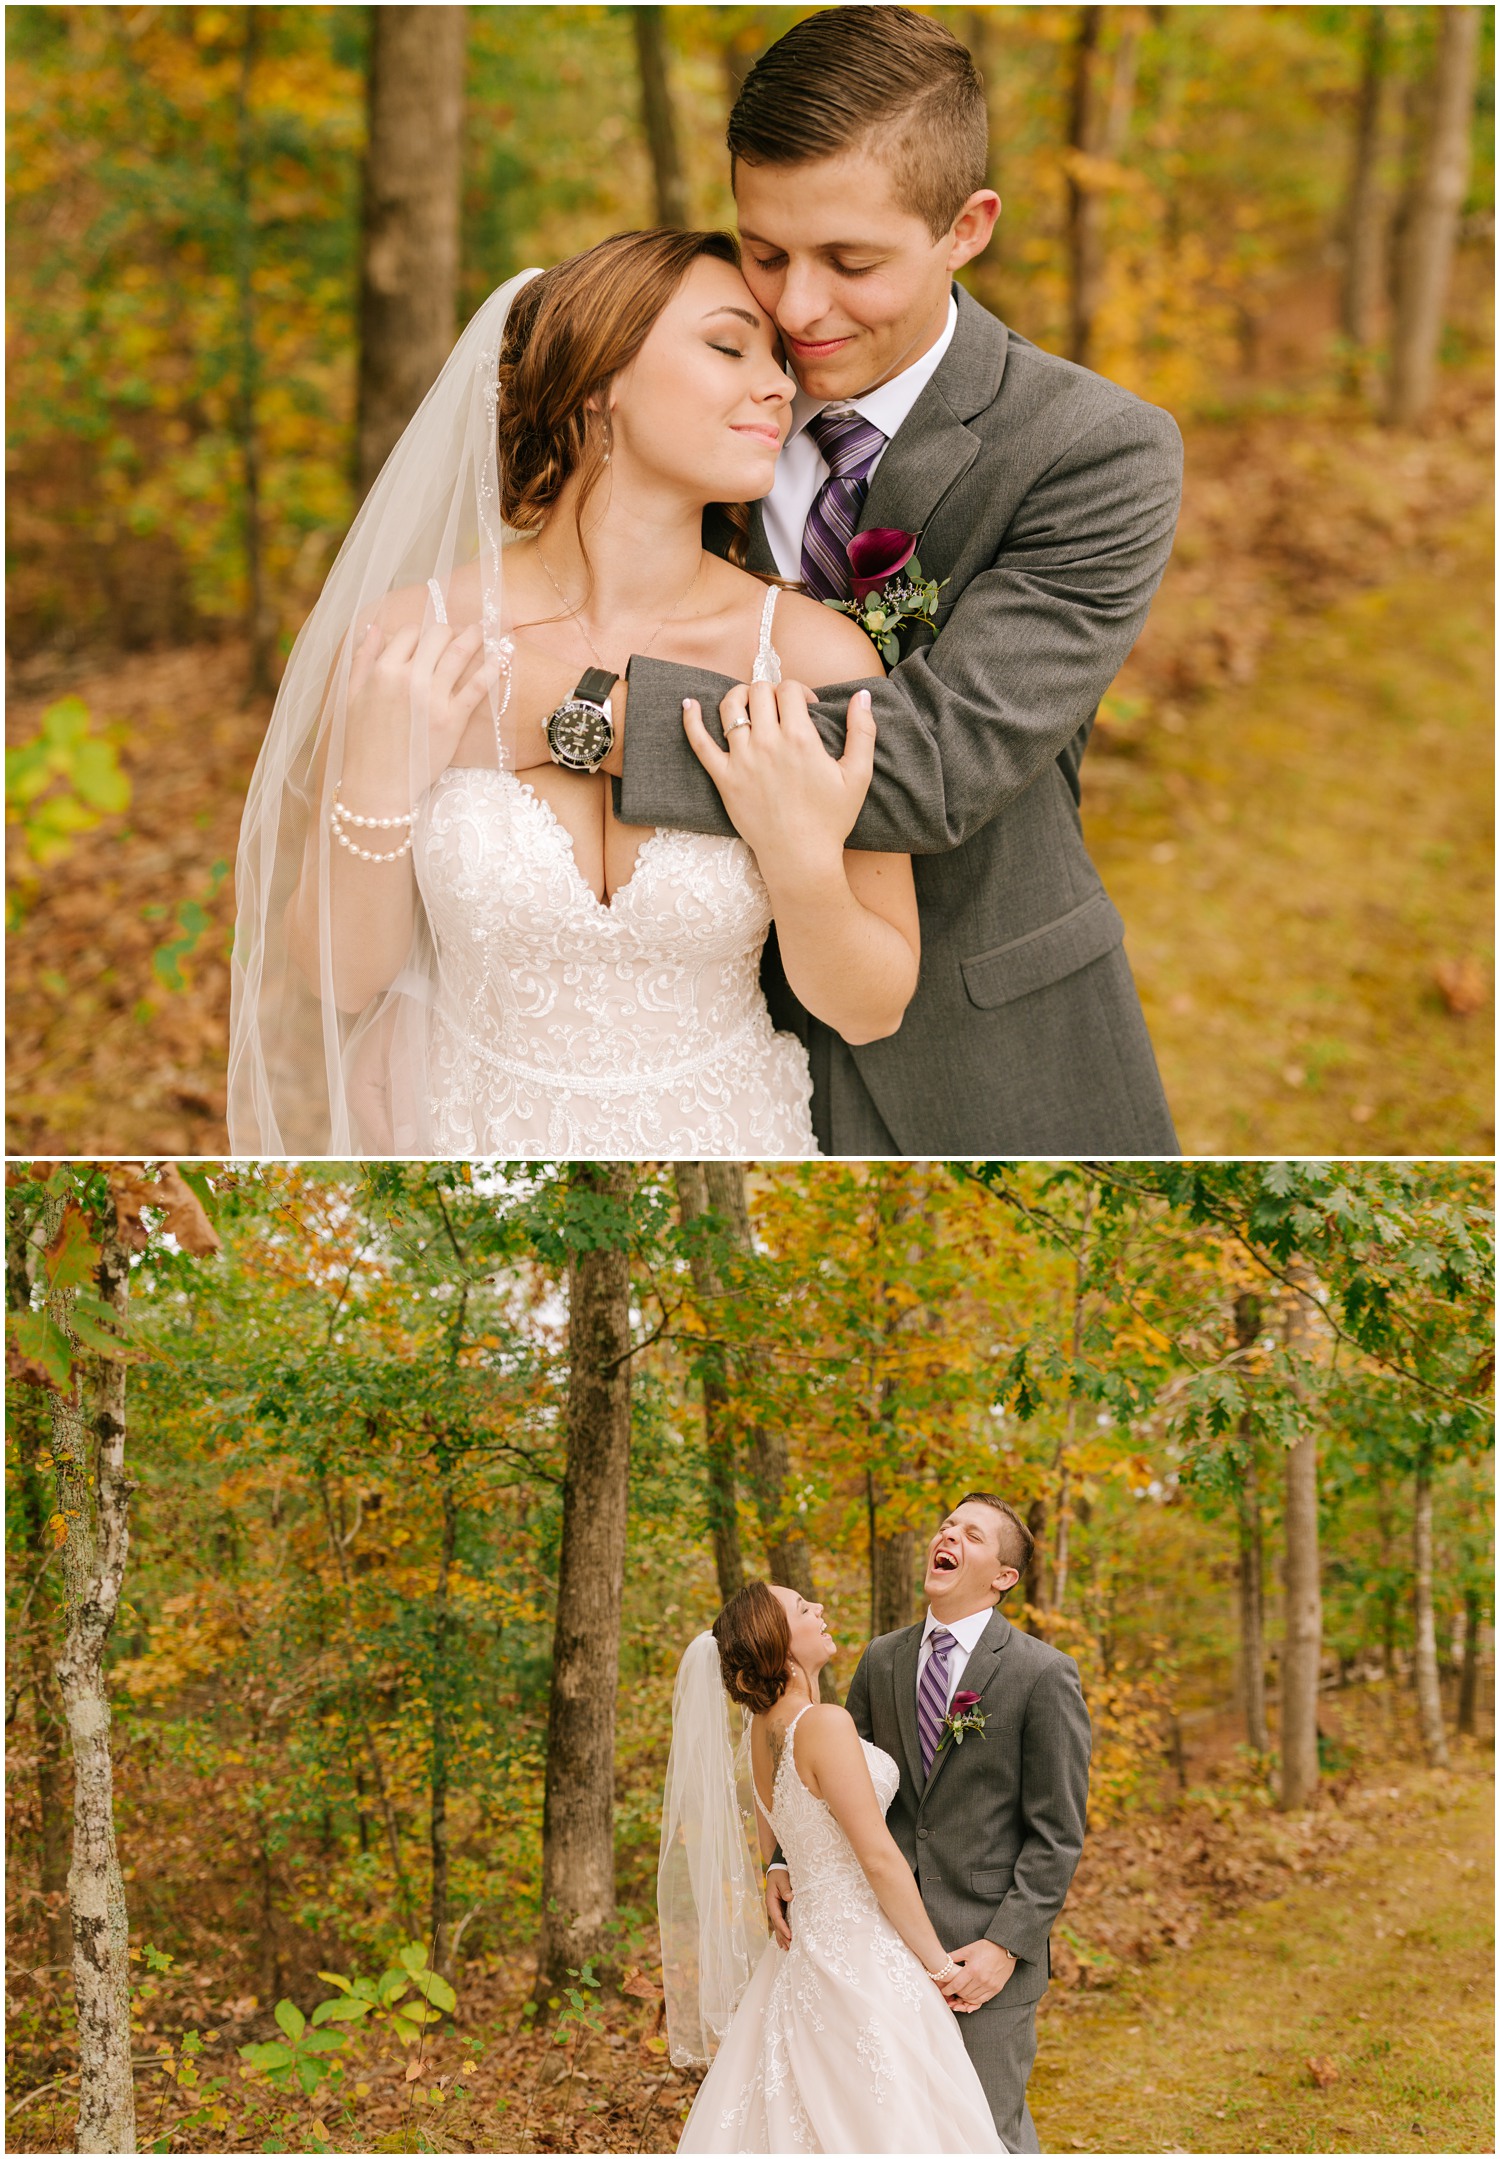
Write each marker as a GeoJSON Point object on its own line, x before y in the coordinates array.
{"type": "Point", "coordinates": [941, 1978]}
{"type": "Point", "coordinates": [339, 816]}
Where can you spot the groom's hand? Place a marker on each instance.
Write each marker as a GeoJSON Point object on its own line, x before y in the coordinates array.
{"type": "Point", "coordinates": [986, 1968]}
{"type": "Point", "coordinates": [779, 1905]}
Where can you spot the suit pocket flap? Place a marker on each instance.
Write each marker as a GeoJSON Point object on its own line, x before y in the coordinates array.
{"type": "Point", "coordinates": [991, 1881]}
{"type": "Point", "coordinates": [1046, 955]}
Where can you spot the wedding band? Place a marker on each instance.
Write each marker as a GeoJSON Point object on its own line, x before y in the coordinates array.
{"type": "Point", "coordinates": [731, 725]}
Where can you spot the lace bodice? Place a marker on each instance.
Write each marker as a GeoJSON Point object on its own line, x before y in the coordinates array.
{"type": "Point", "coordinates": [567, 1025]}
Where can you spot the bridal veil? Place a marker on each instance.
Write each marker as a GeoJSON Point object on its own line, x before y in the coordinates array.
{"type": "Point", "coordinates": [708, 1896]}
{"type": "Point", "coordinates": [306, 1078]}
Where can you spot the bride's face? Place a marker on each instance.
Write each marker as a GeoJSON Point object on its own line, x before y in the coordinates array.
{"type": "Point", "coordinates": [812, 1644]}
{"type": "Point", "coordinates": [705, 404]}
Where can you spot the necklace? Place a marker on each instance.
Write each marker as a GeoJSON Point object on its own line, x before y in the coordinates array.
{"type": "Point", "coordinates": [582, 627]}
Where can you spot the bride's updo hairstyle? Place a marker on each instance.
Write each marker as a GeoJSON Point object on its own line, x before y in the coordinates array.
{"type": "Point", "coordinates": [755, 1647]}
{"type": "Point", "coordinates": [567, 335]}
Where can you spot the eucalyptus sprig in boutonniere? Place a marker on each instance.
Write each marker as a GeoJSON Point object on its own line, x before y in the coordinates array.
{"type": "Point", "coordinates": [891, 596]}
{"type": "Point", "coordinates": [962, 1717]}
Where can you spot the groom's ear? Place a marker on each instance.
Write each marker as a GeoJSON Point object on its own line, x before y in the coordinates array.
{"type": "Point", "coordinates": [972, 227]}
{"type": "Point", "coordinates": [1006, 1580]}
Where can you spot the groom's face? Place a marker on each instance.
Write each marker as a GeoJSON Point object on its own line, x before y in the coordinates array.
{"type": "Point", "coordinates": [856, 282]}
{"type": "Point", "coordinates": [964, 1568]}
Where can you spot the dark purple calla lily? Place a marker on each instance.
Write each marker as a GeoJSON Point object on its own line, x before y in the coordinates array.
{"type": "Point", "coordinates": [875, 556]}
{"type": "Point", "coordinates": [963, 1701]}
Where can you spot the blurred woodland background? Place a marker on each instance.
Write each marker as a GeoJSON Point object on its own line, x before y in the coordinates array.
{"type": "Point", "coordinates": [431, 1473]}
{"type": "Point", "coordinates": [240, 242]}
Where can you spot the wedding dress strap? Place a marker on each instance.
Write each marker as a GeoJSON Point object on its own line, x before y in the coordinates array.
{"type": "Point", "coordinates": [767, 660]}
{"type": "Point", "coordinates": [438, 609]}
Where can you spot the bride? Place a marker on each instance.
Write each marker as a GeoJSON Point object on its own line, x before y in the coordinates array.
{"type": "Point", "coordinates": [844, 2043]}
{"type": "Point", "coordinates": [447, 942]}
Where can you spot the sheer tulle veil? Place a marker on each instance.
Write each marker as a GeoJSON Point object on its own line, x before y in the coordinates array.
{"type": "Point", "coordinates": [306, 1078]}
{"type": "Point", "coordinates": [708, 1897]}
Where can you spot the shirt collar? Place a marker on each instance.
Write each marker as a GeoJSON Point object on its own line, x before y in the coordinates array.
{"type": "Point", "coordinates": [887, 406]}
{"type": "Point", "coordinates": [965, 1631]}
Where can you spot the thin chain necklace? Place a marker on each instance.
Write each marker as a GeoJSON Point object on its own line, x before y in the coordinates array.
{"type": "Point", "coordinates": [582, 628]}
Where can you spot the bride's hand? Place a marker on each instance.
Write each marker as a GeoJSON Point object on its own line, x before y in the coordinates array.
{"type": "Point", "coordinates": [415, 678]}
{"type": "Point", "coordinates": [792, 802]}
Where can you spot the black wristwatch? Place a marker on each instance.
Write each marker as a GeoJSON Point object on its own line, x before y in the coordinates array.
{"type": "Point", "coordinates": [581, 732]}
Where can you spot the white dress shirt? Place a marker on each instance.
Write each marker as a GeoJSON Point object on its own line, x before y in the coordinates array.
{"type": "Point", "coordinates": [966, 1633]}
{"type": "Point", "coordinates": [801, 468]}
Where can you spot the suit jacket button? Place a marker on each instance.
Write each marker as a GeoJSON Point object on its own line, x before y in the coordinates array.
{"type": "Point", "coordinates": [924, 1832]}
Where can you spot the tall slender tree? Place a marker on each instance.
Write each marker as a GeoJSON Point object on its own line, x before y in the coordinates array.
{"type": "Point", "coordinates": [1366, 208]}
{"type": "Point", "coordinates": [718, 1427]}
{"type": "Point", "coordinates": [1247, 1327]}
{"type": "Point", "coordinates": [1302, 1650]}
{"type": "Point", "coordinates": [578, 1857]}
{"type": "Point", "coordinates": [1429, 221]}
{"type": "Point", "coordinates": [658, 117]}
{"type": "Point", "coordinates": [1429, 1691]}
{"type": "Point", "coordinates": [408, 290]}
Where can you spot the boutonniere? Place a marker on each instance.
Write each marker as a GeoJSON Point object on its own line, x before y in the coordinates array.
{"type": "Point", "coordinates": [891, 596]}
{"type": "Point", "coordinates": [962, 1717]}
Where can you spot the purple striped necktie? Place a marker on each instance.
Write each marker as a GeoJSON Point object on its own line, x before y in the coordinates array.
{"type": "Point", "coordinates": [850, 446]}
{"type": "Point", "coordinates": [932, 1694]}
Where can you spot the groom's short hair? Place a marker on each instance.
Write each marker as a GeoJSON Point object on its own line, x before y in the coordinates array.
{"type": "Point", "coordinates": [1015, 1539]}
{"type": "Point", "coordinates": [881, 79]}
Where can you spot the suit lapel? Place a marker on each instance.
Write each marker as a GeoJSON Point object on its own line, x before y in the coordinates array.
{"type": "Point", "coordinates": [904, 1678]}
{"type": "Point", "coordinates": [758, 556]}
{"type": "Point", "coordinates": [932, 448]}
{"type": "Point", "coordinates": [984, 1662]}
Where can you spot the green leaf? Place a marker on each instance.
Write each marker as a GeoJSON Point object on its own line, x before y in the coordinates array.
{"type": "Point", "coordinates": [413, 1958]}
{"type": "Point", "coordinates": [436, 1990]}
{"type": "Point", "coordinates": [324, 2042]}
{"type": "Point", "coordinates": [346, 2009]}
{"type": "Point", "coordinates": [330, 1979]}
{"type": "Point", "coordinates": [407, 2032]}
{"type": "Point", "coordinates": [290, 2018]}
{"type": "Point", "coordinates": [44, 1344]}
{"type": "Point", "coordinates": [391, 1986]}
{"type": "Point", "coordinates": [268, 2054]}
{"type": "Point", "coordinates": [310, 2074]}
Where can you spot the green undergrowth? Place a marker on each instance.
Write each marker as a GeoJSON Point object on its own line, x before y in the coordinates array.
{"type": "Point", "coordinates": [1351, 2014]}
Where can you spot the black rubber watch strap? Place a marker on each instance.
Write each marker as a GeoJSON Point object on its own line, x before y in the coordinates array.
{"type": "Point", "coordinates": [596, 685]}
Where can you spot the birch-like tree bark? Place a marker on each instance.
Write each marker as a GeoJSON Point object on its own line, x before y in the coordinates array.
{"type": "Point", "coordinates": [93, 1499]}
{"type": "Point", "coordinates": [1302, 1653]}
{"type": "Point", "coordinates": [1429, 222]}
{"type": "Point", "coordinates": [1468, 1683]}
{"type": "Point", "coordinates": [1429, 1691]}
{"type": "Point", "coordinates": [408, 286]}
{"type": "Point", "coordinates": [578, 1854]}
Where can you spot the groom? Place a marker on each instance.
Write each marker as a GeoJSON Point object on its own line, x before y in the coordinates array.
{"type": "Point", "coordinates": [991, 1822]}
{"type": "Point", "coordinates": [1043, 501]}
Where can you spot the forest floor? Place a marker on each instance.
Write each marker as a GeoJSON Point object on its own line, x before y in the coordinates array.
{"type": "Point", "coordinates": [1288, 794]}
{"type": "Point", "coordinates": [1226, 1978]}
{"type": "Point", "coordinates": [1352, 2012]}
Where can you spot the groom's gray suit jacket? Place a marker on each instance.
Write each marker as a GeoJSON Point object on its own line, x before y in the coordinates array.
{"type": "Point", "coordinates": [994, 1833]}
{"type": "Point", "coordinates": [1046, 498]}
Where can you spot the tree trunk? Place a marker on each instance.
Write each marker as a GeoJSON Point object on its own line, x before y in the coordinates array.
{"type": "Point", "coordinates": [1429, 224]}
{"type": "Point", "coordinates": [658, 119]}
{"type": "Point", "coordinates": [718, 1430]}
{"type": "Point", "coordinates": [27, 1419]}
{"type": "Point", "coordinates": [1429, 1691]}
{"type": "Point", "coordinates": [1035, 1585]}
{"type": "Point", "coordinates": [93, 1497]}
{"type": "Point", "coordinates": [788, 1560]}
{"type": "Point", "coordinates": [893, 1570]}
{"type": "Point", "coordinates": [1366, 211]}
{"type": "Point", "coordinates": [1097, 126]}
{"type": "Point", "coordinates": [578, 1858]}
{"type": "Point", "coordinates": [1468, 1684]}
{"type": "Point", "coordinates": [258, 626]}
{"type": "Point", "coordinates": [985, 39]}
{"type": "Point", "coordinates": [441, 1722]}
{"type": "Point", "coordinates": [1070, 1421]}
{"type": "Point", "coordinates": [408, 294]}
{"type": "Point", "coordinates": [1247, 1324]}
{"type": "Point", "coordinates": [1303, 1648]}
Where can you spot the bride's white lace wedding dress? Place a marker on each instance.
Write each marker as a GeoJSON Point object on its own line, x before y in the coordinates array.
{"type": "Point", "coordinates": [842, 2043]}
{"type": "Point", "coordinates": [565, 1026]}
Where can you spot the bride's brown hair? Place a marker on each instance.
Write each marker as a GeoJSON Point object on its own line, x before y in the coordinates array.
{"type": "Point", "coordinates": [755, 1647]}
{"type": "Point", "coordinates": [567, 335]}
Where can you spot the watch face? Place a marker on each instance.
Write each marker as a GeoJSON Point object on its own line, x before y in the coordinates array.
{"type": "Point", "coordinates": [579, 734]}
